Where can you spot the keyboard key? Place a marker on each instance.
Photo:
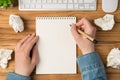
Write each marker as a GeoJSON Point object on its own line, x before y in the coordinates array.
{"type": "Point", "coordinates": [76, 6]}
{"type": "Point", "coordinates": [39, 1]}
{"type": "Point", "coordinates": [25, 1]}
{"type": "Point", "coordinates": [92, 7]}
{"type": "Point", "coordinates": [59, 1]}
{"type": "Point", "coordinates": [70, 1]}
{"type": "Point", "coordinates": [44, 1]}
{"type": "Point", "coordinates": [54, 6]}
{"type": "Point", "coordinates": [89, 1]}
{"type": "Point", "coordinates": [22, 6]}
{"type": "Point", "coordinates": [64, 1]}
{"type": "Point", "coordinates": [54, 1]}
{"type": "Point", "coordinates": [81, 6]}
{"type": "Point", "coordinates": [27, 6]}
{"type": "Point", "coordinates": [33, 1]}
{"type": "Point", "coordinates": [32, 6]}
{"type": "Point", "coordinates": [38, 6]}
{"type": "Point", "coordinates": [70, 6]}
{"type": "Point", "coordinates": [49, 1]}
{"type": "Point", "coordinates": [75, 1]}
{"type": "Point", "coordinates": [80, 1]}
{"type": "Point", "coordinates": [86, 6]}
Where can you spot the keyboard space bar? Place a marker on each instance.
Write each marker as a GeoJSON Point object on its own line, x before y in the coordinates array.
{"type": "Point", "coordinates": [54, 6]}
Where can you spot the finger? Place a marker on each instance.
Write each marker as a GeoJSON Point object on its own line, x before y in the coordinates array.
{"type": "Point", "coordinates": [30, 38]}
{"type": "Point", "coordinates": [84, 21]}
{"type": "Point", "coordinates": [74, 32]}
{"type": "Point", "coordinates": [86, 27]}
{"type": "Point", "coordinates": [21, 42]}
{"type": "Point", "coordinates": [79, 23]}
{"type": "Point", "coordinates": [31, 44]}
{"type": "Point", "coordinates": [24, 39]}
{"type": "Point", "coordinates": [28, 41]}
{"type": "Point", "coordinates": [35, 57]}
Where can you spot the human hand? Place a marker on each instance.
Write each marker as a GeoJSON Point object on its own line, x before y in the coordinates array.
{"type": "Point", "coordinates": [26, 55]}
{"type": "Point", "coordinates": [83, 43]}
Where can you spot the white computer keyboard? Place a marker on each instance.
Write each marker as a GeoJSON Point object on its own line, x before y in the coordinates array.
{"type": "Point", "coordinates": [65, 5]}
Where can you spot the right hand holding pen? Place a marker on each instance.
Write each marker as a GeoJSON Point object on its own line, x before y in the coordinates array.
{"type": "Point", "coordinates": [83, 43]}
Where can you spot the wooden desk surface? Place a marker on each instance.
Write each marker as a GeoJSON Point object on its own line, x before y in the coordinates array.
{"type": "Point", "coordinates": [107, 40]}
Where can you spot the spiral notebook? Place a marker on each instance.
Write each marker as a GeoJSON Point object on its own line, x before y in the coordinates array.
{"type": "Point", "coordinates": [57, 48]}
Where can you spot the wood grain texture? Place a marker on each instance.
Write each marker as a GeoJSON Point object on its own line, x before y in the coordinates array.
{"type": "Point", "coordinates": [107, 40]}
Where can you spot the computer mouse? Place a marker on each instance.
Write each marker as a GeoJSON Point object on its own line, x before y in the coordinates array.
{"type": "Point", "coordinates": [109, 5]}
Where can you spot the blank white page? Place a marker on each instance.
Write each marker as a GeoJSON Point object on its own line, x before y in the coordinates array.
{"type": "Point", "coordinates": [57, 48]}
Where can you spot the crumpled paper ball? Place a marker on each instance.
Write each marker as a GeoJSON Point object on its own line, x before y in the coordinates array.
{"type": "Point", "coordinates": [113, 58]}
{"type": "Point", "coordinates": [16, 22]}
{"type": "Point", "coordinates": [5, 55]}
{"type": "Point", "coordinates": [106, 23]}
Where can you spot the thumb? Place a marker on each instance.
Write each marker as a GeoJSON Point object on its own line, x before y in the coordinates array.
{"type": "Point", "coordinates": [35, 57]}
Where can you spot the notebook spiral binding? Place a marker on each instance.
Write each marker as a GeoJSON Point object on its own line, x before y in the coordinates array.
{"type": "Point", "coordinates": [55, 17]}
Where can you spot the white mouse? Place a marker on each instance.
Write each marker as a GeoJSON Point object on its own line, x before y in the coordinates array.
{"type": "Point", "coordinates": [109, 5]}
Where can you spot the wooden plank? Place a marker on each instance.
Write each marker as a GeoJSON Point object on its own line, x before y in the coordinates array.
{"type": "Point", "coordinates": [113, 76]}
{"type": "Point", "coordinates": [2, 77]}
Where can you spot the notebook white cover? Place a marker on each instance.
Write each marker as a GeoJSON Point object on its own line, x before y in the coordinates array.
{"type": "Point", "coordinates": [57, 48]}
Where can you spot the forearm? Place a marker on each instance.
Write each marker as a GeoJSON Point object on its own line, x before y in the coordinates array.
{"type": "Point", "coordinates": [14, 76]}
{"type": "Point", "coordinates": [91, 67]}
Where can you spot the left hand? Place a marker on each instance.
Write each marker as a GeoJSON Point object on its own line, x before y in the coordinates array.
{"type": "Point", "coordinates": [24, 63]}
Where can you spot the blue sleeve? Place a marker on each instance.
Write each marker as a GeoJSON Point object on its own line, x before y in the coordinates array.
{"type": "Point", "coordinates": [91, 67]}
{"type": "Point", "coordinates": [14, 76]}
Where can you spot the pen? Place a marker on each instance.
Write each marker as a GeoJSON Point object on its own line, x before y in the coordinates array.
{"type": "Point", "coordinates": [87, 36]}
